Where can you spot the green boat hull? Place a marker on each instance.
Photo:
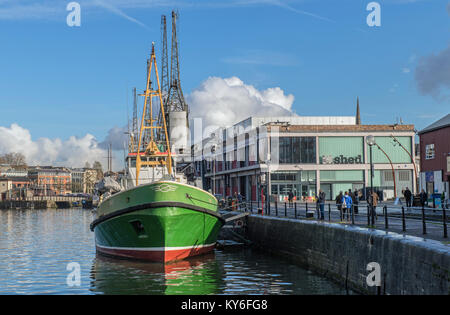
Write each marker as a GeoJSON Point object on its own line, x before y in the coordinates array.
{"type": "Point", "coordinates": [163, 221]}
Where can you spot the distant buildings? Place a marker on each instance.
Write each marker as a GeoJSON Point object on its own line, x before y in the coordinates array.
{"type": "Point", "coordinates": [51, 181]}
{"type": "Point", "coordinates": [435, 157]}
{"type": "Point", "coordinates": [45, 181]}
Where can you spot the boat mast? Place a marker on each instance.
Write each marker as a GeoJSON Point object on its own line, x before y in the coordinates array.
{"type": "Point", "coordinates": [153, 156]}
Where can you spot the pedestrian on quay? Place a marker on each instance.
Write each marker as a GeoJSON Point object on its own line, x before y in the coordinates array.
{"type": "Point", "coordinates": [321, 202]}
{"type": "Point", "coordinates": [354, 197]}
{"type": "Point", "coordinates": [343, 205]}
{"type": "Point", "coordinates": [339, 202]}
{"type": "Point", "coordinates": [290, 198]}
{"type": "Point", "coordinates": [373, 200]}
{"type": "Point", "coordinates": [348, 203]}
{"type": "Point", "coordinates": [423, 197]}
{"type": "Point", "coordinates": [407, 194]}
{"type": "Point", "coordinates": [239, 197]}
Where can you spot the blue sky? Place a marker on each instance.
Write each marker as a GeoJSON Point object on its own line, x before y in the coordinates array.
{"type": "Point", "coordinates": [57, 81]}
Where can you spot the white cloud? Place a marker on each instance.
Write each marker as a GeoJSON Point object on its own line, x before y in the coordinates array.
{"type": "Point", "coordinates": [73, 152]}
{"type": "Point", "coordinates": [224, 102]}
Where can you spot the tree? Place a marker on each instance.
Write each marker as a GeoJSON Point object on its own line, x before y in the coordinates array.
{"type": "Point", "coordinates": [16, 160]}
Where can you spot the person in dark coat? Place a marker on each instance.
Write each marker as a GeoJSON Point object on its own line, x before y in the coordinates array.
{"type": "Point", "coordinates": [290, 198]}
{"type": "Point", "coordinates": [321, 203]}
{"type": "Point", "coordinates": [408, 195]}
{"type": "Point", "coordinates": [423, 198]}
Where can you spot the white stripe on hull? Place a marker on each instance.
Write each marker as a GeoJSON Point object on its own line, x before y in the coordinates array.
{"type": "Point", "coordinates": [155, 249]}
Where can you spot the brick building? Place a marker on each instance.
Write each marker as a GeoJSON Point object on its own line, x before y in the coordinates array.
{"type": "Point", "coordinates": [435, 157]}
{"type": "Point", "coordinates": [49, 181]}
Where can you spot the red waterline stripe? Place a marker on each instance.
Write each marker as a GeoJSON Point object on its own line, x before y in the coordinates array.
{"type": "Point", "coordinates": [157, 255]}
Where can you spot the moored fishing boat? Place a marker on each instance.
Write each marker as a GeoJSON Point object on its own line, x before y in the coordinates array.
{"type": "Point", "coordinates": [156, 216]}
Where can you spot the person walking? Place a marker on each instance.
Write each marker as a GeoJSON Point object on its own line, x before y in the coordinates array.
{"type": "Point", "coordinates": [373, 199]}
{"type": "Point", "coordinates": [290, 198]}
{"type": "Point", "coordinates": [239, 197]}
{"type": "Point", "coordinates": [407, 193]}
{"type": "Point", "coordinates": [348, 203]}
{"type": "Point", "coordinates": [321, 202]}
{"type": "Point", "coordinates": [423, 197]}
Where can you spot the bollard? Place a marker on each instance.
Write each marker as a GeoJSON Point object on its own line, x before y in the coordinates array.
{"type": "Point", "coordinates": [329, 212]}
{"type": "Point", "coordinates": [318, 211]}
{"type": "Point", "coordinates": [386, 223]}
{"type": "Point", "coordinates": [306, 214]}
{"type": "Point", "coordinates": [285, 209]}
{"type": "Point", "coordinates": [276, 208]}
{"type": "Point", "coordinates": [403, 220]}
{"type": "Point", "coordinates": [251, 205]}
{"type": "Point", "coordinates": [444, 221]}
{"type": "Point", "coordinates": [295, 210]}
{"type": "Point", "coordinates": [424, 226]}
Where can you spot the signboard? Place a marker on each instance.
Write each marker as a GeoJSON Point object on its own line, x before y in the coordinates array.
{"type": "Point", "coordinates": [341, 159]}
{"type": "Point", "coordinates": [429, 177]}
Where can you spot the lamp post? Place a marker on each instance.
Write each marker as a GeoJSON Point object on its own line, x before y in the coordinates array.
{"type": "Point", "coordinates": [213, 151]}
{"type": "Point", "coordinates": [412, 160]}
{"type": "Point", "coordinates": [392, 167]}
{"type": "Point", "coordinates": [370, 140]}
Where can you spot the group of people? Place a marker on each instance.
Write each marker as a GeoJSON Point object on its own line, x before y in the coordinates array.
{"type": "Point", "coordinates": [350, 200]}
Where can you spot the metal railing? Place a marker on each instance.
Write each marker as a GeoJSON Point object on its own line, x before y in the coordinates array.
{"type": "Point", "coordinates": [401, 217]}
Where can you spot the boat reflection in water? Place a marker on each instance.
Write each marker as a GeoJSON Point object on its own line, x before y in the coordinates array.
{"type": "Point", "coordinates": [194, 276]}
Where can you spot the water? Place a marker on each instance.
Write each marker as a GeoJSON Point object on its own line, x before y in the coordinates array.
{"type": "Point", "coordinates": [37, 245]}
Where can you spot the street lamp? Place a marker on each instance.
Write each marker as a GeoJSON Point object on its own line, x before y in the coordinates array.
{"type": "Point", "coordinates": [370, 140]}
{"type": "Point", "coordinates": [213, 152]}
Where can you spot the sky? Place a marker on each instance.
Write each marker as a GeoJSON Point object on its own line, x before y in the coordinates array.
{"type": "Point", "coordinates": [63, 88]}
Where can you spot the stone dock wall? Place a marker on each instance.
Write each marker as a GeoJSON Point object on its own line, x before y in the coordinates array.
{"type": "Point", "coordinates": [408, 265]}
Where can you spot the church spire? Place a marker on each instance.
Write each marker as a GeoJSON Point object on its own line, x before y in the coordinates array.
{"type": "Point", "coordinates": [358, 116]}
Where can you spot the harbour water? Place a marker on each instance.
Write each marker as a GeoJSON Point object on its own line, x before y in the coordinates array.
{"type": "Point", "coordinates": [37, 246]}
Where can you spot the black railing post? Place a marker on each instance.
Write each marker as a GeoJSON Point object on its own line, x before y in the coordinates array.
{"type": "Point", "coordinates": [403, 219]}
{"type": "Point", "coordinates": [318, 211]}
{"type": "Point", "coordinates": [306, 213]}
{"type": "Point", "coordinates": [329, 212]}
{"type": "Point", "coordinates": [295, 210]}
{"type": "Point", "coordinates": [386, 223]}
{"type": "Point", "coordinates": [368, 215]}
{"type": "Point", "coordinates": [276, 208]}
{"type": "Point", "coordinates": [353, 214]}
{"type": "Point", "coordinates": [285, 209]}
{"type": "Point", "coordinates": [424, 225]}
{"type": "Point", "coordinates": [251, 205]}
{"type": "Point", "coordinates": [444, 221]}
